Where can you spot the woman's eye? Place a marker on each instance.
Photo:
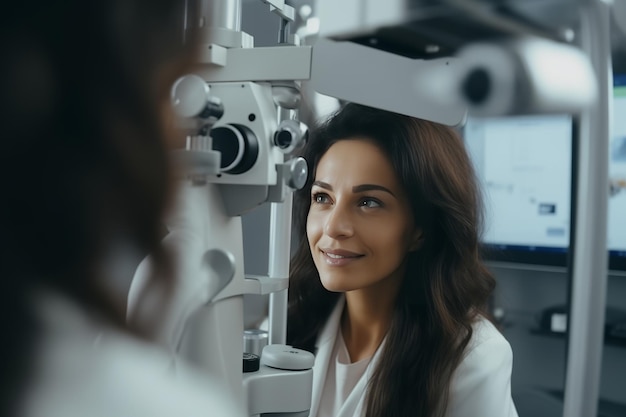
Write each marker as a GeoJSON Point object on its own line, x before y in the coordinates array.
{"type": "Point", "coordinates": [320, 198]}
{"type": "Point", "coordinates": [370, 203]}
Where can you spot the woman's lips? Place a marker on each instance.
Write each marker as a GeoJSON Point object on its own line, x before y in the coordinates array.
{"type": "Point", "coordinates": [337, 257]}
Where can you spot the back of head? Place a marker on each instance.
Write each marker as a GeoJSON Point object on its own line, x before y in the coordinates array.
{"type": "Point", "coordinates": [83, 92]}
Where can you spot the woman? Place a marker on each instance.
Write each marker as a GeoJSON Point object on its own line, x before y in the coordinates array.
{"type": "Point", "coordinates": [84, 90]}
{"type": "Point", "coordinates": [387, 285]}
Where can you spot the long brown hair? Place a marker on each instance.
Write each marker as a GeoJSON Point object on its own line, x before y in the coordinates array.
{"type": "Point", "coordinates": [83, 164]}
{"type": "Point", "coordinates": [446, 284]}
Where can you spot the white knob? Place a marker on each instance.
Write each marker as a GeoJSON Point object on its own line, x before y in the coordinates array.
{"type": "Point", "coordinates": [190, 95]}
{"type": "Point", "coordinates": [287, 357]}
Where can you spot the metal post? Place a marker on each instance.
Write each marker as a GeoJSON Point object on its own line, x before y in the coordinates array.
{"type": "Point", "coordinates": [224, 14]}
{"type": "Point", "coordinates": [279, 255]}
{"type": "Point", "coordinates": [590, 259]}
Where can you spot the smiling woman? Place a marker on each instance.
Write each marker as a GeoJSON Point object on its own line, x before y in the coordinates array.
{"type": "Point", "coordinates": [387, 286]}
{"type": "Point", "coordinates": [360, 225]}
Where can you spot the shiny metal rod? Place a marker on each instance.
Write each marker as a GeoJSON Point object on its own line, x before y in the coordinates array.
{"type": "Point", "coordinates": [225, 14]}
{"type": "Point", "coordinates": [590, 257]}
{"type": "Point", "coordinates": [279, 256]}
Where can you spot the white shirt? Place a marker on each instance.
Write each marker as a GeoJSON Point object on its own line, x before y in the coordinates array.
{"type": "Point", "coordinates": [341, 378]}
{"type": "Point", "coordinates": [76, 373]}
{"type": "Point", "coordinates": [480, 386]}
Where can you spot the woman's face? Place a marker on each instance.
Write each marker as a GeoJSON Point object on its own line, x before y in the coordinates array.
{"type": "Point", "coordinates": [360, 226]}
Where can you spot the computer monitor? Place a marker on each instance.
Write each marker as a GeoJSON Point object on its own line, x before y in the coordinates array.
{"type": "Point", "coordinates": [524, 164]}
{"type": "Point", "coordinates": [617, 176]}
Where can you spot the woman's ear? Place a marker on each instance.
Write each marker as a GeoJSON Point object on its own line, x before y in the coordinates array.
{"type": "Point", "coordinates": [417, 240]}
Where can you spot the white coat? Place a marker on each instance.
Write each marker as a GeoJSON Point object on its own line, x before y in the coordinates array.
{"type": "Point", "coordinates": [79, 372]}
{"type": "Point", "coordinates": [481, 385]}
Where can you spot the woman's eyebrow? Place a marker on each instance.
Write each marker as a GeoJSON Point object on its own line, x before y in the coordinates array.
{"type": "Point", "coordinates": [323, 185]}
{"type": "Point", "coordinates": [370, 187]}
{"type": "Point", "coordinates": [357, 188]}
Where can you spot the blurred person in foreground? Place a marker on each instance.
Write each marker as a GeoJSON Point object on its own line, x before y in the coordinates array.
{"type": "Point", "coordinates": [85, 179]}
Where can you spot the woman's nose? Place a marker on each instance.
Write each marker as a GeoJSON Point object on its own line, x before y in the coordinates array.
{"type": "Point", "coordinates": [339, 223]}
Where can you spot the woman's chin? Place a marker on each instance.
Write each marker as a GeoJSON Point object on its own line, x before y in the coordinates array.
{"type": "Point", "coordinates": [334, 285]}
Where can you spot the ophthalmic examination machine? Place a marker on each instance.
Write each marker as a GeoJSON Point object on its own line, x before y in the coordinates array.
{"type": "Point", "coordinates": [239, 112]}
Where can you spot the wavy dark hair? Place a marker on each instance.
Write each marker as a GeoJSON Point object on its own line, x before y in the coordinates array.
{"type": "Point", "coordinates": [446, 284]}
{"type": "Point", "coordinates": [83, 165]}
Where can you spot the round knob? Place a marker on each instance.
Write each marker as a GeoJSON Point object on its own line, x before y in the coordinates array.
{"type": "Point", "coordinates": [287, 357]}
{"type": "Point", "coordinates": [298, 172]}
{"type": "Point", "coordinates": [290, 134]}
{"type": "Point", "coordinates": [190, 98]}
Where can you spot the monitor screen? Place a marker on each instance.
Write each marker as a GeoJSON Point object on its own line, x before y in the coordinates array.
{"type": "Point", "coordinates": [524, 164]}
{"type": "Point", "coordinates": [617, 176]}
